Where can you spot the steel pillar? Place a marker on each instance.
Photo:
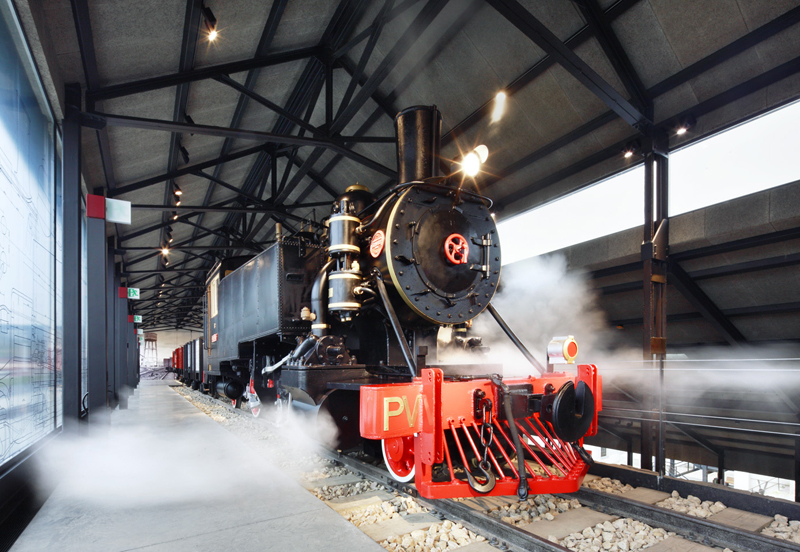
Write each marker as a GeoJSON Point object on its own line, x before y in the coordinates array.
{"type": "Point", "coordinates": [96, 269]}
{"type": "Point", "coordinates": [121, 345]}
{"type": "Point", "coordinates": [111, 341]}
{"type": "Point", "coordinates": [797, 468]}
{"type": "Point", "coordinates": [654, 258]}
{"type": "Point", "coordinates": [71, 266]}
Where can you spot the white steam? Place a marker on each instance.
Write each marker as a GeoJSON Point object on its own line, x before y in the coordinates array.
{"type": "Point", "coordinates": [540, 300]}
{"type": "Point", "coordinates": [157, 454]}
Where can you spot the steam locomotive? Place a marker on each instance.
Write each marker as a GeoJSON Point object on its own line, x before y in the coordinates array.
{"type": "Point", "coordinates": [343, 320]}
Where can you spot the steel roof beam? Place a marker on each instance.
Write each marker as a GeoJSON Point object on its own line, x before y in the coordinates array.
{"type": "Point", "coordinates": [304, 93]}
{"type": "Point", "coordinates": [395, 12]}
{"type": "Point", "coordinates": [720, 100]}
{"type": "Point", "coordinates": [703, 303]}
{"type": "Point", "coordinates": [738, 46]}
{"type": "Point", "coordinates": [89, 119]}
{"type": "Point", "coordinates": [366, 53]}
{"type": "Point", "coordinates": [615, 52]}
{"type": "Point", "coordinates": [753, 38]}
{"type": "Point", "coordinates": [83, 29]}
{"type": "Point", "coordinates": [383, 103]}
{"type": "Point", "coordinates": [262, 50]}
{"type": "Point", "coordinates": [404, 43]}
{"type": "Point", "coordinates": [189, 169]}
{"type": "Point", "coordinates": [523, 20]}
{"type": "Point", "coordinates": [584, 34]}
{"type": "Point", "coordinates": [175, 79]}
{"type": "Point", "coordinates": [442, 41]}
{"type": "Point", "coordinates": [267, 208]}
{"type": "Point", "coordinates": [163, 224]}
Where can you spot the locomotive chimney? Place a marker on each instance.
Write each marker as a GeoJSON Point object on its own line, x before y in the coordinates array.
{"type": "Point", "coordinates": [418, 142]}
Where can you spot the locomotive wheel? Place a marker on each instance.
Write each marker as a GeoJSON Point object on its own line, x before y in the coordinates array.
{"type": "Point", "coordinates": [398, 453]}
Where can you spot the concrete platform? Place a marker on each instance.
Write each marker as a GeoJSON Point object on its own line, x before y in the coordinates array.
{"type": "Point", "coordinates": [156, 482]}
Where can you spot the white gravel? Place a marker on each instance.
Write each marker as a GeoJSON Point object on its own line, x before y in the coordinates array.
{"type": "Point", "coordinates": [691, 505]}
{"type": "Point", "coordinates": [398, 507]}
{"type": "Point", "coordinates": [784, 529]}
{"type": "Point", "coordinates": [351, 489]}
{"type": "Point", "coordinates": [537, 508]}
{"type": "Point", "coordinates": [607, 485]}
{"type": "Point", "coordinates": [619, 535]}
{"type": "Point", "coordinates": [439, 537]}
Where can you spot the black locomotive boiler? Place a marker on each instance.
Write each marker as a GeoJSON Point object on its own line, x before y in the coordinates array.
{"type": "Point", "coordinates": [344, 320]}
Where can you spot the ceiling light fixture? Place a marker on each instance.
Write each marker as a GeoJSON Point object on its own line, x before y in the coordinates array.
{"type": "Point", "coordinates": [174, 215]}
{"type": "Point", "coordinates": [177, 190]}
{"type": "Point", "coordinates": [165, 251]}
{"type": "Point", "coordinates": [631, 148]}
{"type": "Point", "coordinates": [185, 154]}
{"type": "Point", "coordinates": [471, 163]}
{"type": "Point", "coordinates": [685, 124]}
{"type": "Point", "coordinates": [210, 23]}
{"type": "Point", "coordinates": [499, 106]}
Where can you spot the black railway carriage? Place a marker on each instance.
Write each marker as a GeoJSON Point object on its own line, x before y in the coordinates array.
{"type": "Point", "coordinates": [193, 362]}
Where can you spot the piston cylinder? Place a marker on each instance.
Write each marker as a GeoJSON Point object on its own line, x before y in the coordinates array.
{"type": "Point", "coordinates": [341, 291]}
{"type": "Point", "coordinates": [231, 389]}
{"type": "Point", "coordinates": [343, 237]}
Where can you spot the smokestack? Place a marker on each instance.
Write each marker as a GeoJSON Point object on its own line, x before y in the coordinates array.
{"type": "Point", "coordinates": [418, 142]}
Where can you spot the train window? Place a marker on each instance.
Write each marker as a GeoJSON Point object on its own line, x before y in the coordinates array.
{"type": "Point", "coordinates": [212, 297]}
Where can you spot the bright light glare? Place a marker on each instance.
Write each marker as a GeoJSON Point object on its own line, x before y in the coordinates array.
{"type": "Point", "coordinates": [212, 36]}
{"type": "Point", "coordinates": [178, 192]}
{"type": "Point", "coordinates": [165, 251]}
{"type": "Point", "coordinates": [680, 131]}
{"type": "Point", "coordinates": [499, 106]}
{"type": "Point", "coordinates": [471, 164]}
{"type": "Point", "coordinates": [628, 154]}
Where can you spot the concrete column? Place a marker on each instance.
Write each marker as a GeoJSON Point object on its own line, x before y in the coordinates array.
{"type": "Point", "coordinates": [71, 266]}
{"type": "Point", "coordinates": [96, 299]}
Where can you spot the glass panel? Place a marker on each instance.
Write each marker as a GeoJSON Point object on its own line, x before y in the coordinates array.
{"type": "Point", "coordinates": [751, 157]}
{"type": "Point", "coordinates": [607, 207]}
{"type": "Point", "coordinates": [27, 249]}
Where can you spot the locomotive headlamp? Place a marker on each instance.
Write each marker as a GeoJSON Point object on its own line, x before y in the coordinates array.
{"type": "Point", "coordinates": [471, 163]}
{"type": "Point", "coordinates": [562, 350]}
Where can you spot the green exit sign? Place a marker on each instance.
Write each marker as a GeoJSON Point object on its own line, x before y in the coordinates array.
{"type": "Point", "coordinates": [133, 293]}
{"type": "Point", "coordinates": [137, 318]}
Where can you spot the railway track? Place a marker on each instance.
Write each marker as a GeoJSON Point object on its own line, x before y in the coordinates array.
{"type": "Point", "coordinates": [692, 534]}
{"type": "Point", "coordinates": [473, 515]}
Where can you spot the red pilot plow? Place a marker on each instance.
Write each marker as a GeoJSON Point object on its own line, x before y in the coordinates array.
{"type": "Point", "coordinates": [473, 436]}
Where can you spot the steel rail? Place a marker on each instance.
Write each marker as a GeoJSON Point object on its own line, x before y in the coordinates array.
{"type": "Point", "coordinates": [712, 533]}
{"type": "Point", "coordinates": [687, 526]}
{"type": "Point", "coordinates": [478, 522]}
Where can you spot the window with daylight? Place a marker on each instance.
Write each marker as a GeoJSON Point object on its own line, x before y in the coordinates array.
{"type": "Point", "coordinates": [751, 157]}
